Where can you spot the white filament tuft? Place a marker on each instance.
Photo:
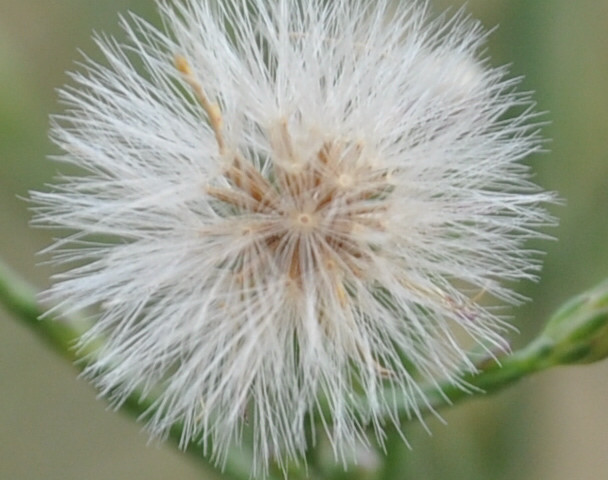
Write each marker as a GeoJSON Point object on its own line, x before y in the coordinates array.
{"type": "Point", "coordinates": [284, 202]}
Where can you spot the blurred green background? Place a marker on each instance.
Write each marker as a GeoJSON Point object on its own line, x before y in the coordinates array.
{"type": "Point", "coordinates": [552, 426]}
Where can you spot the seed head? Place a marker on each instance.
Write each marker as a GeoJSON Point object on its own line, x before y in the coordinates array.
{"type": "Point", "coordinates": [285, 205]}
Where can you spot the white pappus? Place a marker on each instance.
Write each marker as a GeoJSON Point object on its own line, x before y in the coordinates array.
{"type": "Point", "coordinates": [288, 204]}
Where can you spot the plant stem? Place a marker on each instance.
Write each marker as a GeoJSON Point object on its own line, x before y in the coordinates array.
{"type": "Point", "coordinates": [19, 299]}
{"type": "Point", "coordinates": [494, 375]}
{"type": "Point", "coordinates": [577, 333]}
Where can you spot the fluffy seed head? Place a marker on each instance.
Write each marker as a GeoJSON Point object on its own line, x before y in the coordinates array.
{"type": "Point", "coordinates": [286, 205]}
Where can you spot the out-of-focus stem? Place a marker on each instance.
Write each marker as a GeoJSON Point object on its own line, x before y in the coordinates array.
{"type": "Point", "coordinates": [577, 333]}
{"type": "Point", "coordinates": [19, 299]}
{"type": "Point", "coordinates": [493, 376]}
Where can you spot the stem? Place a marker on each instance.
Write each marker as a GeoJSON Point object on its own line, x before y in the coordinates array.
{"type": "Point", "coordinates": [494, 375]}
{"type": "Point", "coordinates": [19, 298]}
{"type": "Point", "coordinates": [577, 333]}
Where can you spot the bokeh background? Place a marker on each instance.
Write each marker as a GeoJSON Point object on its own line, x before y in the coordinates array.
{"type": "Point", "coordinates": [552, 426]}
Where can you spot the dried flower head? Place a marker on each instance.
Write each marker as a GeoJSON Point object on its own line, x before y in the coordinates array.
{"type": "Point", "coordinates": [287, 204]}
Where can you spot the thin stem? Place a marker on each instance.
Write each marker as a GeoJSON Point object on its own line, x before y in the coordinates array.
{"type": "Point", "coordinates": [493, 375]}
{"type": "Point", "coordinates": [19, 298]}
{"type": "Point", "coordinates": [577, 333]}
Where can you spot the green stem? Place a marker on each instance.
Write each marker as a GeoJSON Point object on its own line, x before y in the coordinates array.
{"type": "Point", "coordinates": [577, 333]}
{"type": "Point", "coordinates": [19, 299]}
{"type": "Point", "coordinates": [493, 375]}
